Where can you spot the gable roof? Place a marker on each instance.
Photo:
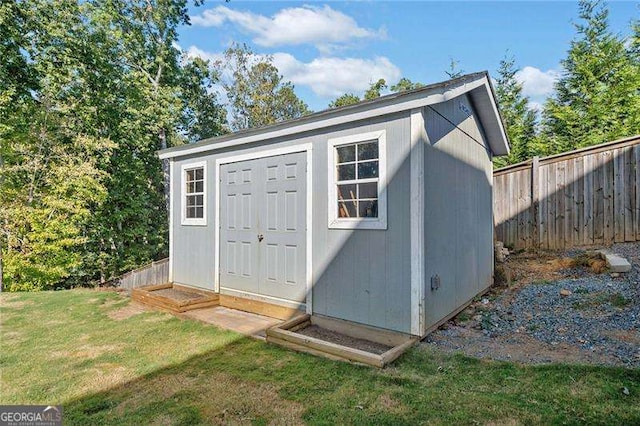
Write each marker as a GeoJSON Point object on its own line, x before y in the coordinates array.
{"type": "Point", "coordinates": [477, 85]}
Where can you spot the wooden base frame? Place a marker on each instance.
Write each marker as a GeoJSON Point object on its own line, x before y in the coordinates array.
{"type": "Point", "coordinates": [146, 296]}
{"type": "Point", "coordinates": [285, 335]}
{"type": "Point", "coordinates": [258, 307]}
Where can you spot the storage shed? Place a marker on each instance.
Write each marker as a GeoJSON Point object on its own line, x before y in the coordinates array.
{"type": "Point", "coordinates": [378, 213]}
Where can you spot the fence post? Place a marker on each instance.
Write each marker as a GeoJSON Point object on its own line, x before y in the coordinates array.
{"type": "Point", "coordinates": [535, 201]}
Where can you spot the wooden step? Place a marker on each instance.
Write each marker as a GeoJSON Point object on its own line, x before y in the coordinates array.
{"type": "Point", "coordinates": [156, 296]}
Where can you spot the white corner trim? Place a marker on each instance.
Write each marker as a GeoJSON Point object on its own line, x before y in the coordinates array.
{"type": "Point", "coordinates": [418, 138]}
{"type": "Point", "coordinates": [171, 211]}
{"type": "Point", "coordinates": [309, 275]}
{"type": "Point", "coordinates": [308, 148]}
{"type": "Point", "coordinates": [193, 221]}
{"type": "Point", "coordinates": [333, 222]}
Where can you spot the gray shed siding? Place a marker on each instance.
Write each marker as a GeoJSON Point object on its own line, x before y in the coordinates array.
{"type": "Point", "coordinates": [458, 211]}
{"type": "Point", "coordinates": [358, 275]}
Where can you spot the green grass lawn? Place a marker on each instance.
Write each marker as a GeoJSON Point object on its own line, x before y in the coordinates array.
{"type": "Point", "coordinates": [63, 348]}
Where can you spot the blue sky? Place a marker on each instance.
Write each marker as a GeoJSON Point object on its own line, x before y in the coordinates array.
{"type": "Point", "coordinates": [329, 48]}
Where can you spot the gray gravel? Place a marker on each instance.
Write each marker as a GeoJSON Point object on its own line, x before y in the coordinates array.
{"type": "Point", "coordinates": [599, 318]}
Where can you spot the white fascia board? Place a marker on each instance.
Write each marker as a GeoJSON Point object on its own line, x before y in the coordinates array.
{"type": "Point", "coordinates": [392, 108]}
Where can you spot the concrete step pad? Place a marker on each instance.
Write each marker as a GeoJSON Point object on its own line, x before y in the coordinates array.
{"type": "Point", "coordinates": [616, 263]}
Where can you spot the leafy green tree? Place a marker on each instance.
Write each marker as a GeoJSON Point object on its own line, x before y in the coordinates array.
{"type": "Point", "coordinates": [50, 148]}
{"type": "Point", "coordinates": [344, 100]}
{"type": "Point", "coordinates": [257, 94]}
{"type": "Point", "coordinates": [81, 187]}
{"type": "Point", "coordinates": [597, 98]}
{"type": "Point", "coordinates": [405, 84]}
{"type": "Point", "coordinates": [203, 114]}
{"type": "Point", "coordinates": [519, 119]}
{"type": "Point", "coordinates": [375, 89]}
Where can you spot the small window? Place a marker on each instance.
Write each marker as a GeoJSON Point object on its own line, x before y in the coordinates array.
{"type": "Point", "coordinates": [356, 192]}
{"type": "Point", "coordinates": [194, 194]}
{"type": "Point", "coordinates": [357, 180]}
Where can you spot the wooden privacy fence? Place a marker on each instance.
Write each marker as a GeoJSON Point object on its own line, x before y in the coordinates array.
{"type": "Point", "coordinates": [590, 196]}
{"type": "Point", "coordinates": [151, 274]}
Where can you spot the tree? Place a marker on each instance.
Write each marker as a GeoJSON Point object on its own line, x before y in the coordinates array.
{"type": "Point", "coordinates": [454, 71]}
{"type": "Point", "coordinates": [50, 147]}
{"type": "Point", "coordinates": [344, 100]}
{"type": "Point", "coordinates": [405, 84]}
{"type": "Point", "coordinates": [519, 119]}
{"type": "Point", "coordinates": [81, 187]}
{"type": "Point", "coordinates": [203, 115]}
{"type": "Point", "coordinates": [257, 94]}
{"type": "Point", "coordinates": [375, 89]}
{"type": "Point", "coordinates": [597, 98]}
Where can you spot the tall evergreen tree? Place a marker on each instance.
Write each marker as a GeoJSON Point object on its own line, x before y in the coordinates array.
{"type": "Point", "coordinates": [518, 118]}
{"type": "Point", "coordinates": [597, 97]}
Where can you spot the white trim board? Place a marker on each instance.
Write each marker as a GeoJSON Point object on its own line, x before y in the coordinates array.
{"type": "Point", "coordinates": [308, 148]}
{"type": "Point", "coordinates": [333, 222]}
{"type": "Point", "coordinates": [171, 212]}
{"type": "Point", "coordinates": [444, 95]}
{"type": "Point", "coordinates": [418, 139]}
{"type": "Point", "coordinates": [183, 205]}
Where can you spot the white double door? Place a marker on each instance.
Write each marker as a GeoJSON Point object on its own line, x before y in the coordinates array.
{"type": "Point", "coordinates": [263, 226]}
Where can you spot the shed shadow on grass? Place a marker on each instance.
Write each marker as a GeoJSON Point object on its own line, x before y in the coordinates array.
{"type": "Point", "coordinates": [249, 381]}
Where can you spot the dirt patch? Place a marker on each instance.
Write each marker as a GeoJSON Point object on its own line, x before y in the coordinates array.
{"type": "Point", "coordinates": [341, 339]}
{"type": "Point", "coordinates": [243, 402]}
{"type": "Point", "coordinates": [126, 312]}
{"type": "Point", "coordinates": [13, 303]}
{"type": "Point", "coordinates": [104, 376]}
{"type": "Point", "coordinates": [11, 336]}
{"type": "Point", "coordinates": [86, 351]}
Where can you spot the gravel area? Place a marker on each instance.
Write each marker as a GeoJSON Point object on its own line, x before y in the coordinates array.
{"type": "Point", "coordinates": [580, 317]}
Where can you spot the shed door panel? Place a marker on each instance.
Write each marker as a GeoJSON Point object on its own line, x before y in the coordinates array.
{"type": "Point", "coordinates": [239, 251]}
{"type": "Point", "coordinates": [269, 200]}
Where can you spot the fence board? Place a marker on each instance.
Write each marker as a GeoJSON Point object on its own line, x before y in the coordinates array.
{"type": "Point", "coordinates": [578, 197]}
{"type": "Point", "coordinates": [584, 197]}
{"type": "Point", "coordinates": [154, 273]}
{"type": "Point", "coordinates": [636, 152]}
{"type": "Point", "coordinates": [629, 194]}
{"type": "Point", "coordinates": [542, 203]}
{"type": "Point", "coordinates": [588, 200]}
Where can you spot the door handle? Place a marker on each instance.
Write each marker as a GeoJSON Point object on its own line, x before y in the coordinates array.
{"type": "Point", "coordinates": [260, 237]}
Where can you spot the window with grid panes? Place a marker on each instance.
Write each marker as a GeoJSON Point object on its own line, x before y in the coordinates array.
{"type": "Point", "coordinates": [357, 176]}
{"type": "Point", "coordinates": [194, 193]}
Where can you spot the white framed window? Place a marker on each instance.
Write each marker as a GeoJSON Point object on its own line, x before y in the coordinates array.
{"type": "Point", "coordinates": [194, 193]}
{"type": "Point", "coordinates": [357, 196]}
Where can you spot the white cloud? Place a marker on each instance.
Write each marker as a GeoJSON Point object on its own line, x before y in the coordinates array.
{"type": "Point", "coordinates": [325, 76]}
{"type": "Point", "coordinates": [536, 106]}
{"type": "Point", "coordinates": [193, 52]}
{"type": "Point", "coordinates": [323, 27]}
{"type": "Point", "coordinates": [536, 82]}
{"type": "Point", "coordinates": [330, 76]}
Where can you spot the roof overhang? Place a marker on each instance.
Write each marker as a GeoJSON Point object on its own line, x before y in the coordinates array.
{"type": "Point", "coordinates": [477, 85]}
